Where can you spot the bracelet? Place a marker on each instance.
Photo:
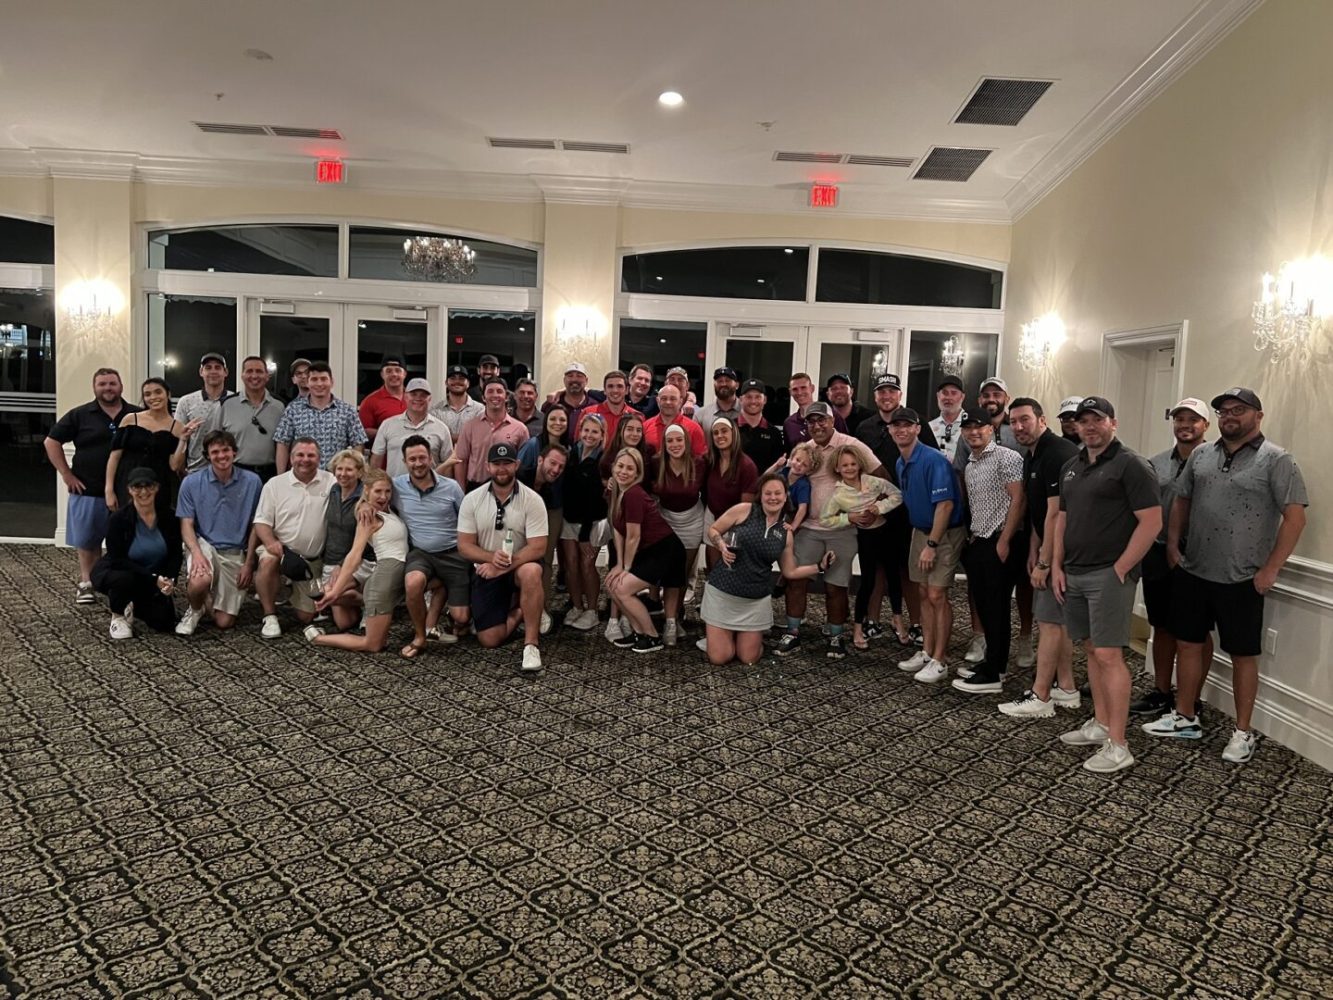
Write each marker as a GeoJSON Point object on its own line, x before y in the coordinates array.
{"type": "Point", "coordinates": [1042, 565]}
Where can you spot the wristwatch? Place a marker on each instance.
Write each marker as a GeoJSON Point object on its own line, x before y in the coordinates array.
{"type": "Point", "coordinates": [932, 543]}
{"type": "Point", "coordinates": [1042, 565]}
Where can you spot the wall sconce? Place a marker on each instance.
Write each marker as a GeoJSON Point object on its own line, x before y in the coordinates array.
{"type": "Point", "coordinates": [575, 324]}
{"type": "Point", "coordinates": [90, 305]}
{"type": "Point", "coordinates": [952, 356]}
{"type": "Point", "coordinates": [1290, 309]}
{"type": "Point", "coordinates": [1039, 340]}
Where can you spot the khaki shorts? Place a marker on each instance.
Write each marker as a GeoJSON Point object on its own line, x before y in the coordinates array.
{"type": "Point", "coordinates": [811, 545]}
{"type": "Point", "coordinates": [947, 555]}
{"type": "Point", "coordinates": [301, 589]}
{"type": "Point", "coordinates": [225, 566]}
{"type": "Point", "coordinates": [384, 591]}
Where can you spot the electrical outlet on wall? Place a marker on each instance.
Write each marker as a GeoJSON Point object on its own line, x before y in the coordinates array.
{"type": "Point", "coordinates": [1270, 641]}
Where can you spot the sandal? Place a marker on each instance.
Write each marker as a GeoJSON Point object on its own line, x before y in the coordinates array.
{"type": "Point", "coordinates": [861, 643]}
{"type": "Point", "coordinates": [412, 650]}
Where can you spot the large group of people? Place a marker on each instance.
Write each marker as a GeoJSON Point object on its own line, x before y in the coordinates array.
{"type": "Point", "coordinates": [460, 509]}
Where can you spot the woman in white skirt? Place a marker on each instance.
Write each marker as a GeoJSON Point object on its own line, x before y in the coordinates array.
{"type": "Point", "coordinates": [737, 604]}
{"type": "Point", "coordinates": [679, 489]}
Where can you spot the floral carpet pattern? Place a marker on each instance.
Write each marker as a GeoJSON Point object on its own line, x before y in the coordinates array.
{"type": "Point", "coordinates": [233, 817]}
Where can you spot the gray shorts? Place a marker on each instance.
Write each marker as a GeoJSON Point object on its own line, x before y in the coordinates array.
{"type": "Point", "coordinates": [1098, 607]}
{"type": "Point", "coordinates": [811, 546]}
{"type": "Point", "coordinates": [384, 590]}
{"type": "Point", "coordinates": [449, 568]}
{"type": "Point", "coordinates": [1045, 608]}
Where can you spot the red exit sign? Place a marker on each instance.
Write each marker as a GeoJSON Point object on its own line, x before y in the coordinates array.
{"type": "Point", "coordinates": [330, 172]}
{"type": "Point", "coordinates": [823, 196]}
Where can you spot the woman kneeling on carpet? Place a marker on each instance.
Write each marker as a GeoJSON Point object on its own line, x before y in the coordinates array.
{"type": "Point", "coordinates": [143, 556]}
{"type": "Point", "coordinates": [737, 604]}
{"type": "Point", "coordinates": [384, 590]}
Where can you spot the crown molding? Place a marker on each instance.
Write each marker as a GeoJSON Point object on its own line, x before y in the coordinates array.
{"type": "Point", "coordinates": [1205, 26]}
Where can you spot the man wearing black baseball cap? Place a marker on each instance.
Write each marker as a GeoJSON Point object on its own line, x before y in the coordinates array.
{"type": "Point", "coordinates": [724, 402]}
{"type": "Point", "coordinates": [1241, 504]}
{"type": "Point", "coordinates": [760, 440]}
{"type": "Point", "coordinates": [502, 529]}
{"type": "Point", "coordinates": [1110, 512]}
{"type": "Point", "coordinates": [949, 396]}
{"type": "Point", "coordinates": [838, 391]}
{"type": "Point", "coordinates": [389, 400]}
{"type": "Point", "coordinates": [197, 409]}
{"type": "Point", "coordinates": [457, 407]}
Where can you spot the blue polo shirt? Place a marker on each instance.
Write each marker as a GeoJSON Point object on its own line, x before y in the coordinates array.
{"type": "Point", "coordinates": [927, 478]}
{"type": "Point", "coordinates": [431, 515]}
{"type": "Point", "coordinates": [222, 512]}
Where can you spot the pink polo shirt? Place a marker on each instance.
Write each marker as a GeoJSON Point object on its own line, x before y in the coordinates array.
{"type": "Point", "coordinates": [476, 438]}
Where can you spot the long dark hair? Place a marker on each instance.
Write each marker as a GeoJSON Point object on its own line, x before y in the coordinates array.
{"type": "Point", "coordinates": [732, 454]}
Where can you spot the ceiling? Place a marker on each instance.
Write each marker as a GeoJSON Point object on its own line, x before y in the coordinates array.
{"type": "Point", "coordinates": [416, 87]}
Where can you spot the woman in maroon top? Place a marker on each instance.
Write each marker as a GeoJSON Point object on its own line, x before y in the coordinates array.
{"type": "Point", "coordinates": [679, 486]}
{"type": "Point", "coordinates": [629, 434]}
{"type": "Point", "coordinates": [732, 477]}
{"type": "Point", "coordinates": [649, 551]}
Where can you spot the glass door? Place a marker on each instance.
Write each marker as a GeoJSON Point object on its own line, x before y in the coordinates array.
{"type": "Point", "coordinates": [373, 334]}
{"type": "Point", "coordinates": [768, 353]}
{"type": "Point", "coordinates": [282, 331]}
{"type": "Point", "coordinates": [862, 354]}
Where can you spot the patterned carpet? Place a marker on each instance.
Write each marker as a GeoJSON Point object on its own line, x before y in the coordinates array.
{"type": "Point", "coordinates": [228, 817]}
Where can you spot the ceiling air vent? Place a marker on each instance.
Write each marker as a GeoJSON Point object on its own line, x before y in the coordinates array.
{"type": "Point", "coordinates": [1001, 102]}
{"type": "Point", "coordinates": [291, 132]}
{"type": "Point", "coordinates": [949, 163]}
{"type": "Point", "coordinates": [521, 143]}
{"type": "Point", "coordinates": [575, 146]}
{"type": "Point", "coordinates": [785, 156]}
{"type": "Point", "coordinates": [870, 160]}
{"type": "Point", "coordinates": [222, 128]}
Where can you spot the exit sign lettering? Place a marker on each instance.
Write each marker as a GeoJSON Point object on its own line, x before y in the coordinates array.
{"type": "Point", "coordinates": [330, 172]}
{"type": "Point", "coordinates": [823, 196]}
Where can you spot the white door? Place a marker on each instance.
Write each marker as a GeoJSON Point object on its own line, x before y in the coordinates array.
{"type": "Point", "coordinates": [280, 331]}
{"type": "Point", "coordinates": [373, 334]}
{"type": "Point", "coordinates": [768, 353]}
{"type": "Point", "coordinates": [862, 354]}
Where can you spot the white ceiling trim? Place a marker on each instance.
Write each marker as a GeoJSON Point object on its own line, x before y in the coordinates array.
{"type": "Point", "coordinates": [1206, 25]}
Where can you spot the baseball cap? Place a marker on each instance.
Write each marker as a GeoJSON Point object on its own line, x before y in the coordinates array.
{"type": "Point", "coordinates": [502, 453]}
{"type": "Point", "coordinates": [418, 385]}
{"type": "Point", "coordinates": [977, 417]}
{"type": "Point", "coordinates": [952, 380]}
{"type": "Point", "coordinates": [458, 371]}
{"type": "Point", "coordinates": [1095, 404]}
{"type": "Point", "coordinates": [392, 362]}
{"type": "Point", "coordinates": [1069, 405]}
{"type": "Point", "coordinates": [1245, 396]}
{"type": "Point", "coordinates": [837, 377]}
{"type": "Point", "coordinates": [215, 356]}
{"type": "Point", "coordinates": [1195, 406]}
{"type": "Point", "coordinates": [904, 415]}
{"type": "Point", "coordinates": [754, 385]}
{"type": "Point", "coordinates": [141, 476]}
{"type": "Point", "coordinates": [576, 366]}
{"type": "Point", "coordinates": [725, 372]}
{"type": "Point", "coordinates": [888, 382]}
{"type": "Point", "coordinates": [489, 359]}
{"type": "Point", "coordinates": [678, 371]}
{"type": "Point", "coordinates": [818, 410]}
{"type": "Point", "coordinates": [996, 381]}
{"type": "Point", "coordinates": [297, 363]}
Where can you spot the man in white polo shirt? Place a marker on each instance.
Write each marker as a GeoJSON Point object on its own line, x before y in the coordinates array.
{"type": "Point", "coordinates": [386, 452]}
{"type": "Point", "coordinates": [289, 535]}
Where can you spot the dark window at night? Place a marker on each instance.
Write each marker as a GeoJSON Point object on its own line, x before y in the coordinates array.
{"type": "Point", "coordinates": [891, 279]}
{"type": "Point", "coordinates": [24, 242]}
{"type": "Point", "coordinates": [725, 273]}
{"type": "Point", "coordinates": [310, 251]}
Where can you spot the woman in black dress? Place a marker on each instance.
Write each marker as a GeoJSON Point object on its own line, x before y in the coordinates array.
{"type": "Point", "coordinates": [147, 440]}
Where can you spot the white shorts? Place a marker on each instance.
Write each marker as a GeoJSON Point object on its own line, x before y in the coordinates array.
{"type": "Point", "coordinates": [225, 567]}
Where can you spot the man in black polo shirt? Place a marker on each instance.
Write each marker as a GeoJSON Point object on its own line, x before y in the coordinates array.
{"type": "Point", "coordinates": [1110, 512]}
{"type": "Point", "coordinates": [761, 442]}
{"type": "Point", "coordinates": [90, 428]}
{"type": "Point", "coordinates": [1047, 455]}
{"type": "Point", "coordinates": [838, 392]}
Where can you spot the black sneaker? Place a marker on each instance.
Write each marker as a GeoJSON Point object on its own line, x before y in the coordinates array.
{"type": "Point", "coordinates": [916, 636]}
{"type": "Point", "coordinates": [626, 641]}
{"type": "Point", "coordinates": [837, 646]}
{"type": "Point", "coordinates": [648, 644]}
{"type": "Point", "coordinates": [1154, 703]}
{"type": "Point", "coordinates": [788, 644]}
{"type": "Point", "coordinates": [872, 630]}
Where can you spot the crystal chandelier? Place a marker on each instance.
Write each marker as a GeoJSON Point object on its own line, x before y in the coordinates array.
{"type": "Point", "coordinates": [1288, 314]}
{"type": "Point", "coordinates": [437, 258]}
{"type": "Point", "coordinates": [952, 356]}
{"type": "Point", "coordinates": [1039, 340]}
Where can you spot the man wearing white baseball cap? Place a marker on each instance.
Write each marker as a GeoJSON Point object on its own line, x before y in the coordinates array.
{"type": "Point", "coordinates": [386, 451]}
{"type": "Point", "coordinates": [1068, 425]}
{"type": "Point", "coordinates": [574, 399]}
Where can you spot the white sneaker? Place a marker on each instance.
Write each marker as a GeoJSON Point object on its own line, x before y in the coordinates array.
{"type": "Point", "coordinates": [312, 632]}
{"type": "Point", "coordinates": [544, 628]}
{"type": "Point", "coordinates": [966, 673]}
{"type": "Point", "coordinates": [614, 629]}
{"type": "Point", "coordinates": [1029, 706]}
{"type": "Point", "coordinates": [932, 673]}
{"type": "Point", "coordinates": [1091, 734]}
{"type": "Point", "coordinates": [84, 594]}
{"type": "Point", "coordinates": [120, 628]}
{"type": "Point", "coordinates": [702, 645]}
{"type": "Point", "coordinates": [976, 652]}
{"type": "Point", "coordinates": [582, 620]}
{"type": "Point", "coordinates": [914, 662]}
{"type": "Point", "coordinates": [1110, 758]}
{"type": "Point", "coordinates": [189, 621]}
{"type": "Point", "coordinates": [532, 659]}
{"type": "Point", "coordinates": [670, 632]}
{"type": "Point", "coordinates": [1066, 699]}
{"type": "Point", "coordinates": [1176, 726]}
{"type": "Point", "coordinates": [1027, 651]}
{"type": "Point", "coordinates": [272, 627]}
{"type": "Point", "coordinates": [1240, 747]}
{"type": "Point", "coordinates": [129, 613]}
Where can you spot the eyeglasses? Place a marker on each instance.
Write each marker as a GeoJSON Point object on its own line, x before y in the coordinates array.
{"type": "Point", "coordinates": [255, 422]}
{"type": "Point", "coordinates": [1234, 411]}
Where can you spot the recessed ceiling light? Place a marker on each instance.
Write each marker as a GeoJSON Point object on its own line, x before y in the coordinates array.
{"type": "Point", "coordinates": [663, 340]}
{"type": "Point", "coordinates": [670, 99]}
{"type": "Point", "coordinates": [760, 280]}
{"type": "Point", "coordinates": [522, 329]}
{"type": "Point", "coordinates": [788, 250]}
{"type": "Point", "coordinates": [659, 278]}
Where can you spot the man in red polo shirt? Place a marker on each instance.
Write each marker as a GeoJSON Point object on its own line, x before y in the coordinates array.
{"type": "Point", "coordinates": [668, 413]}
{"type": "Point", "coordinates": [389, 400]}
{"type": "Point", "coordinates": [611, 409]}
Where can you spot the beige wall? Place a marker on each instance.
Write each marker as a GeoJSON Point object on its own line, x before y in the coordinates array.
{"type": "Point", "coordinates": [578, 290]}
{"type": "Point", "coordinates": [1224, 176]}
{"type": "Point", "coordinates": [26, 197]}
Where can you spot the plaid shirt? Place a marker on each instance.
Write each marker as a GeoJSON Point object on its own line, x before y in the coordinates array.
{"type": "Point", "coordinates": [335, 427]}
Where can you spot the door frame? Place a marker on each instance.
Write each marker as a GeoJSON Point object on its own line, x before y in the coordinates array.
{"type": "Point", "coordinates": [1116, 343]}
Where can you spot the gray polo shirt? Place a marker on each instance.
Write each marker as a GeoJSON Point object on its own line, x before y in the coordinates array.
{"type": "Point", "coordinates": [254, 444]}
{"type": "Point", "coordinates": [1099, 500]}
{"type": "Point", "coordinates": [1236, 504]}
{"type": "Point", "coordinates": [1168, 465]}
{"type": "Point", "coordinates": [196, 406]}
{"type": "Point", "coordinates": [455, 419]}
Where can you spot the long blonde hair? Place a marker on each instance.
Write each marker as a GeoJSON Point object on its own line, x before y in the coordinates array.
{"type": "Point", "coordinates": [369, 478]}
{"type": "Point", "coordinates": [617, 492]}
